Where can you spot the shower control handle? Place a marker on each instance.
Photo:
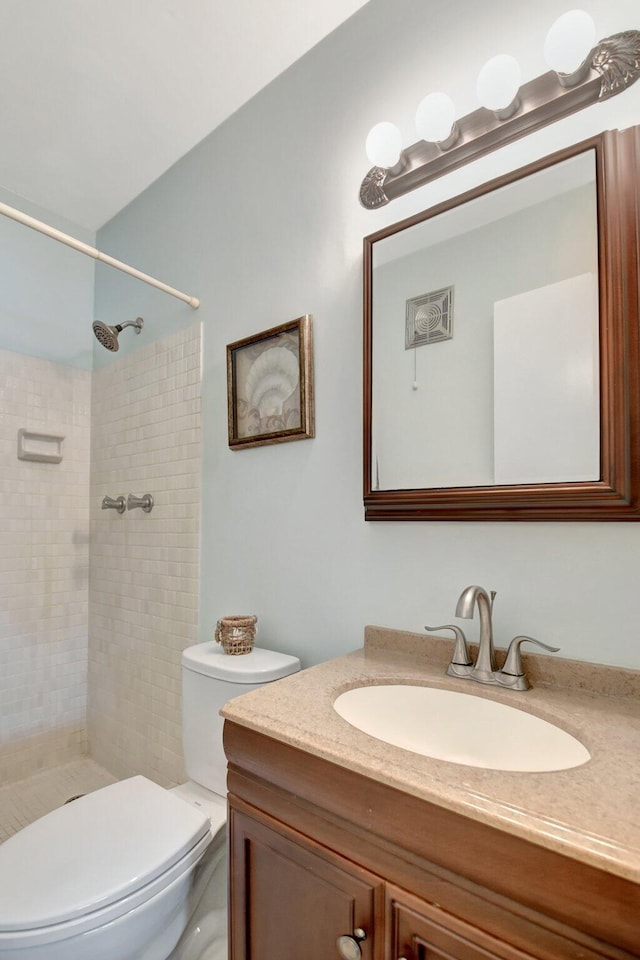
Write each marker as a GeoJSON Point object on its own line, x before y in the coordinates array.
{"type": "Point", "coordinates": [108, 503]}
{"type": "Point", "coordinates": [145, 502]}
{"type": "Point", "coordinates": [349, 946]}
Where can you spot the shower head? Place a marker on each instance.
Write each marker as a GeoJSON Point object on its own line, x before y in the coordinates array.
{"type": "Point", "coordinates": [108, 336]}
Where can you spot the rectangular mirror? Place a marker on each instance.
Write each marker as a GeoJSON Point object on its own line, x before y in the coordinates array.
{"type": "Point", "coordinates": [501, 363]}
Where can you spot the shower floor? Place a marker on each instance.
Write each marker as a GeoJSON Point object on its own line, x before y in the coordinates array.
{"type": "Point", "coordinates": [24, 801]}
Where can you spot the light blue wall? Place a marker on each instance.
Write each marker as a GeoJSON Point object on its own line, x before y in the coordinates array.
{"type": "Point", "coordinates": [262, 222]}
{"type": "Point", "coordinates": [46, 289]}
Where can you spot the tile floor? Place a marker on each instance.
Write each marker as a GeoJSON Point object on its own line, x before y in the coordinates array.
{"type": "Point", "coordinates": [23, 801]}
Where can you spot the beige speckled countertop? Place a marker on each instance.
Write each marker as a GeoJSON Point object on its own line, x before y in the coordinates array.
{"type": "Point", "coordinates": [590, 813]}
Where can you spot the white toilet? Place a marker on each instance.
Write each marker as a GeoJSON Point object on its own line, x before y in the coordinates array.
{"type": "Point", "coordinates": [134, 871]}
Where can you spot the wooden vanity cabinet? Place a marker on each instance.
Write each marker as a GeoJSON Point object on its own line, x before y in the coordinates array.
{"type": "Point", "coordinates": [318, 852]}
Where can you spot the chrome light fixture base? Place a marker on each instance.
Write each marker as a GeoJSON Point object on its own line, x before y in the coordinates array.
{"type": "Point", "coordinates": [612, 66]}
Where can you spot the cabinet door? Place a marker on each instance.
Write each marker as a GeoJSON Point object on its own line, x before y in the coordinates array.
{"type": "Point", "coordinates": [422, 931]}
{"type": "Point", "coordinates": [418, 930]}
{"type": "Point", "coordinates": [291, 899]}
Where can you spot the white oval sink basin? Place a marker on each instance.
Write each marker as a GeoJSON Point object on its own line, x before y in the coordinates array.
{"type": "Point", "coordinates": [460, 728]}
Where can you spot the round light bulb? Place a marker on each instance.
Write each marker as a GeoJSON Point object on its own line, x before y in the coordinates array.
{"type": "Point", "coordinates": [498, 82]}
{"type": "Point", "coordinates": [435, 117]}
{"type": "Point", "coordinates": [569, 41]}
{"type": "Point", "coordinates": [384, 145]}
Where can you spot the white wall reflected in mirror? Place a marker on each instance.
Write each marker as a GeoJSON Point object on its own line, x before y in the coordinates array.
{"type": "Point", "coordinates": [447, 414]}
{"type": "Point", "coordinates": [546, 384]}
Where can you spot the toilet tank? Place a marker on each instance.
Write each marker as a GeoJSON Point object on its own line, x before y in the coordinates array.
{"type": "Point", "coordinates": [211, 677]}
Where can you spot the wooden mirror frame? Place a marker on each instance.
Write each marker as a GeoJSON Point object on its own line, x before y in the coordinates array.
{"type": "Point", "coordinates": [616, 495]}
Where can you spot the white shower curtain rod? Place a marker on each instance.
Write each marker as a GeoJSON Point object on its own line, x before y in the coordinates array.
{"type": "Point", "coordinates": [81, 247]}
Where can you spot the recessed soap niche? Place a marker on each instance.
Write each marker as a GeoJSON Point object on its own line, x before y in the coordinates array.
{"type": "Point", "coordinates": [41, 447]}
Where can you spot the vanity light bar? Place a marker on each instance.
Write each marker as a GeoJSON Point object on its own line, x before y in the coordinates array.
{"type": "Point", "coordinates": [611, 67]}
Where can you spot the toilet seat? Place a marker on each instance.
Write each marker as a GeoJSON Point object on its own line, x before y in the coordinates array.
{"type": "Point", "coordinates": [94, 860]}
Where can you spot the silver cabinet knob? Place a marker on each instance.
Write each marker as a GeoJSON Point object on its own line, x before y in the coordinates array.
{"type": "Point", "coordinates": [349, 946]}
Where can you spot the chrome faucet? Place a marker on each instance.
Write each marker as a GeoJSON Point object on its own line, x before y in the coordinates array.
{"type": "Point", "coordinates": [484, 670]}
{"type": "Point", "coordinates": [485, 665]}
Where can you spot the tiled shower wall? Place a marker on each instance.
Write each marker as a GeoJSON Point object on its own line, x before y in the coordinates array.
{"type": "Point", "coordinates": [44, 562]}
{"type": "Point", "coordinates": [144, 567]}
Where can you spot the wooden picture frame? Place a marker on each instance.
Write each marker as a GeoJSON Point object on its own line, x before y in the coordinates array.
{"type": "Point", "coordinates": [270, 386]}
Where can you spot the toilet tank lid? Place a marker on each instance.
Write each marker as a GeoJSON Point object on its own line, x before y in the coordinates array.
{"type": "Point", "coordinates": [259, 666]}
{"type": "Point", "coordinates": [87, 854]}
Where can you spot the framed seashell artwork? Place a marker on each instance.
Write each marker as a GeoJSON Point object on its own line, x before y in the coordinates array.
{"type": "Point", "coordinates": [270, 386]}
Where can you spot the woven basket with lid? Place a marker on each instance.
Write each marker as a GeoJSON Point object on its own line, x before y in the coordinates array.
{"type": "Point", "coordinates": [236, 634]}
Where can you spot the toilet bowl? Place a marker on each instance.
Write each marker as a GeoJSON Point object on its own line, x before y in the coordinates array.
{"type": "Point", "coordinates": [134, 871]}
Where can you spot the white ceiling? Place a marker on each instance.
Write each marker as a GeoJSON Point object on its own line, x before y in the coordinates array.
{"type": "Point", "coordinates": [99, 97]}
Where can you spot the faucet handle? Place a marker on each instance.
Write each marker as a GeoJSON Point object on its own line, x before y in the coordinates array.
{"type": "Point", "coordinates": [145, 502]}
{"type": "Point", "coordinates": [513, 664]}
{"type": "Point", "coordinates": [461, 656]}
{"type": "Point", "coordinates": [111, 503]}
